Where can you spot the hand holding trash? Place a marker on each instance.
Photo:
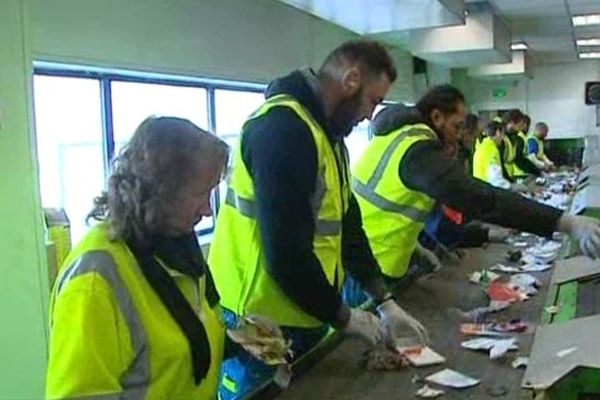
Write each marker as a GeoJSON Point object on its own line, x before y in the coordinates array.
{"type": "Point", "coordinates": [585, 230]}
{"type": "Point", "coordinates": [427, 259]}
{"type": "Point", "coordinates": [398, 323]}
{"type": "Point", "coordinates": [366, 325]}
{"type": "Point", "coordinates": [262, 338]}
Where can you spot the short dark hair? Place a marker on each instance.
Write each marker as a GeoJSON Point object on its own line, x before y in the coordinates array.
{"type": "Point", "coordinates": [515, 115]}
{"type": "Point", "coordinates": [370, 54]}
{"type": "Point", "coordinates": [527, 119]}
{"type": "Point", "coordinates": [491, 128]}
{"type": "Point", "coordinates": [393, 117]}
{"type": "Point", "coordinates": [442, 97]}
{"type": "Point", "coordinates": [471, 123]}
{"type": "Point", "coordinates": [540, 125]}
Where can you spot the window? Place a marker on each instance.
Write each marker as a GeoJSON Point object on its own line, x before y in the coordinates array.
{"type": "Point", "coordinates": [132, 102]}
{"type": "Point", "coordinates": [232, 108]}
{"type": "Point", "coordinates": [69, 145]}
{"type": "Point", "coordinates": [85, 115]}
{"type": "Point", "coordinates": [358, 140]}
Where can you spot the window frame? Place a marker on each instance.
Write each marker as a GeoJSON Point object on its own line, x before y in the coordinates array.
{"type": "Point", "coordinates": [105, 77]}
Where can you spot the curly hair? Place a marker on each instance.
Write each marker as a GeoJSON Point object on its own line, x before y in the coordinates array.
{"type": "Point", "coordinates": [150, 172]}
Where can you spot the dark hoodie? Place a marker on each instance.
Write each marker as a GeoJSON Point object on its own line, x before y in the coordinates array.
{"type": "Point", "coordinates": [426, 169]}
{"type": "Point", "coordinates": [521, 161]}
{"type": "Point", "coordinates": [280, 155]}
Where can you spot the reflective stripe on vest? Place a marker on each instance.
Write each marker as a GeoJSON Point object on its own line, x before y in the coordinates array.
{"type": "Point", "coordinates": [135, 382]}
{"type": "Point", "coordinates": [524, 138]}
{"type": "Point", "coordinates": [486, 154]}
{"type": "Point", "coordinates": [540, 147]}
{"type": "Point", "coordinates": [368, 190]}
{"type": "Point", "coordinates": [393, 215]}
{"type": "Point", "coordinates": [518, 172]}
{"type": "Point", "coordinates": [509, 155]}
{"type": "Point", "coordinates": [237, 257]}
{"type": "Point", "coordinates": [248, 209]}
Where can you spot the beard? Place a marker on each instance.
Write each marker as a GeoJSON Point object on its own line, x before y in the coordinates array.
{"type": "Point", "coordinates": [344, 115]}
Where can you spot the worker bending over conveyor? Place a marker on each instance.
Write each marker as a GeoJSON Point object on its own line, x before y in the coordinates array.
{"type": "Point", "coordinates": [447, 229]}
{"type": "Point", "coordinates": [517, 163]}
{"type": "Point", "coordinates": [487, 161]}
{"type": "Point", "coordinates": [290, 228]}
{"type": "Point", "coordinates": [405, 171]}
{"type": "Point", "coordinates": [535, 147]}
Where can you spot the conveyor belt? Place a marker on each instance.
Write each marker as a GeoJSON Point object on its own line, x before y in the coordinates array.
{"type": "Point", "coordinates": [338, 376]}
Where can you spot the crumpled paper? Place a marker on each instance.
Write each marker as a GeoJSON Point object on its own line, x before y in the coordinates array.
{"type": "Point", "coordinates": [451, 378]}
{"type": "Point", "coordinates": [496, 347]}
{"type": "Point", "coordinates": [505, 292]}
{"type": "Point", "coordinates": [429, 393]}
{"type": "Point", "coordinates": [383, 359]}
{"type": "Point", "coordinates": [263, 339]}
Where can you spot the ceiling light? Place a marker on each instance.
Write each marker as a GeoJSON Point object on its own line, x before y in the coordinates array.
{"type": "Point", "coordinates": [588, 42]}
{"type": "Point", "coordinates": [589, 19]}
{"type": "Point", "coordinates": [519, 46]}
{"type": "Point", "coordinates": [593, 54]}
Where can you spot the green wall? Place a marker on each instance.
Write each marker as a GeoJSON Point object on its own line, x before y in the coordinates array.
{"type": "Point", "coordinates": [22, 287]}
{"type": "Point", "coordinates": [254, 40]}
{"type": "Point", "coordinates": [555, 95]}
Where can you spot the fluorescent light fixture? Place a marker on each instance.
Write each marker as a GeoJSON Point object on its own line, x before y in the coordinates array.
{"type": "Point", "coordinates": [519, 46]}
{"type": "Point", "coordinates": [588, 42]}
{"type": "Point", "coordinates": [592, 54]}
{"type": "Point", "coordinates": [588, 19]}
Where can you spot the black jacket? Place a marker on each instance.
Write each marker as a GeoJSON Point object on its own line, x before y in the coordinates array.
{"type": "Point", "coordinates": [280, 155]}
{"type": "Point", "coordinates": [505, 174]}
{"type": "Point", "coordinates": [521, 161]}
{"type": "Point", "coordinates": [425, 168]}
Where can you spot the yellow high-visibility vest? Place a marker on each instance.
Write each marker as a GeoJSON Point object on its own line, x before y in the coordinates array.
{"type": "Point", "coordinates": [237, 258]}
{"type": "Point", "coordinates": [111, 336]}
{"type": "Point", "coordinates": [393, 215]}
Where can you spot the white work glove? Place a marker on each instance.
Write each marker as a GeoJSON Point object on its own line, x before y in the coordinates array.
{"type": "Point", "coordinates": [366, 325]}
{"type": "Point", "coordinates": [549, 165]}
{"type": "Point", "coordinates": [497, 234]}
{"type": "Point", "coordinates": [518, 187]}
{"type": "Point", "coordinates": [427, 259]}
{"type": "Point", "coordinates": [400, 324]}
{"type": "Point", "coordinates": [585, 230]}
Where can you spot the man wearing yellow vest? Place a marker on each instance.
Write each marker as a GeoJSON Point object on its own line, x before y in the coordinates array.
{"type": "Point", "coordinates": [134, 313]}
{"type": "Point", "coordinates": [290, 228]}
{"type": "Point", "coordinates": [487, 161]}
{"type": "Point", "coordinates": [518, 165]}
{"type": "Point", "coordinates": [535, 147]}
{"type": "Point", "coordinates": [404, 171]}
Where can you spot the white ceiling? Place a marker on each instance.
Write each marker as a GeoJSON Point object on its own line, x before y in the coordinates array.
{"type": "Point", "coordinates": [546, 25]}
{"type": "Point", "coordinates": [373, 16]}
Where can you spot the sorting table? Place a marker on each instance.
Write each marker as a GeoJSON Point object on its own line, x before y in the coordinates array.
{"type": "Point", "coordinates": [338, 375]}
